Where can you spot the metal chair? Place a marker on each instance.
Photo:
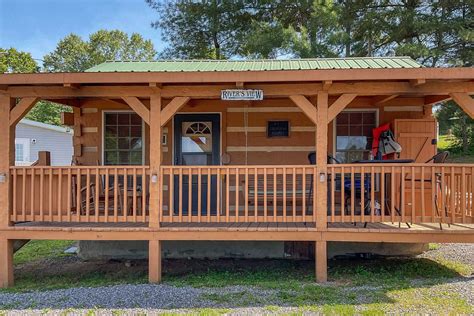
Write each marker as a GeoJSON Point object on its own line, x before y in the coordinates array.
{"type": "Point", "coordinates": [438, 158]}
{"type": "Point", "coordinates": [359, 190]}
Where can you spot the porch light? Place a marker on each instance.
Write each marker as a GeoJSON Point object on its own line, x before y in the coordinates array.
{"type": "Point", "coordinates": [154, 178]}
{"type": "Point", "coordinates": [322, 177]}
{"type": "Point", "coordinates": [3, 178]}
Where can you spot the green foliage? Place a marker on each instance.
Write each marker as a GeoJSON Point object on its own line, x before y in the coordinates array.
{"type": "Point", "coordinates": [211, 29]}
{"type": "Point", "coordinates": [73, 54]}
{"type": "Point", "coordinates": [14, 61]}
{"type": "Point", "coordinates": [47, 112]}
{"type": "Point", "coordinates": [433, 32]}
{"type": "Point", "coordinates": [453, 121]}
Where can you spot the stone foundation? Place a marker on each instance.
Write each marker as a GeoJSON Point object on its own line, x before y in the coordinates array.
{"type": "Point", "coordinates": [100, 250]}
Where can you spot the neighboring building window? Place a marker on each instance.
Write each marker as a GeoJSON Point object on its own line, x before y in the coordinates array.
{"type": "Point", "coordinates": [354, 135]}
{"type": "Point", "coordinates": [123, 139]}
{"type": "Point", "coordinates": [22, 151]}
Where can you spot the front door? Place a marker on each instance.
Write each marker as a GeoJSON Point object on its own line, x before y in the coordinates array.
{"type": "Point", "coordinates": [196, 143]}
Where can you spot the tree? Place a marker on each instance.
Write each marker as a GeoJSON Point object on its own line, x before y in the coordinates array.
{"type": "Point", "coordinates": [47, 112]}
{"type": "Point", "coordinates": [73, 54]}
{"type": "Point", "coordinates": [312, 25]}
{"type": "Point", "coordinates": [213, 29]}
{"type": "Point", "coordinates": [453, 121]}
{"type": "Point", "coordinates": [12, 60]}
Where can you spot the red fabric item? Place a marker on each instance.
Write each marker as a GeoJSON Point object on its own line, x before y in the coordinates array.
{"type": "Point", "coordinates": [376, 137]}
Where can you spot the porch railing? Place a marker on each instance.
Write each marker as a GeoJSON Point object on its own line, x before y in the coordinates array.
{"type": "Point", "coordinates": [406, 193]}
{"type": "Point", "coordinates": [80, 194]}
{"type": "Point", "coordinates": [238, 194]}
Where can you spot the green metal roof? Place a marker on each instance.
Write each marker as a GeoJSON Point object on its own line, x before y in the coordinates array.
{"type": "Point", "coordinates": [255, 65]}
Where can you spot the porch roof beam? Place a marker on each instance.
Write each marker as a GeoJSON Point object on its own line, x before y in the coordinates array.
{"type": "Point", "coordinates": [465, 101]}
{"type": "Point", "coordinates": [360, 88]}
{"type": "Point", "coordinates": [339, 105]}
{"type": "Point", "coordinates": [310, 89]}
{"type": "Point", "coordinates": [174, 106]}
{"type": "Point", "coordinates": [241, 76]}
{"type": "Point", "coordinates": [21, 108]}
{"type": "Point", "coordinates": [306, 106]}
{"type": "Point", "coordinates": [138, 107]}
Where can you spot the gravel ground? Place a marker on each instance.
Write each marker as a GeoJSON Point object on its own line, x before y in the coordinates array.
{"type": "Point", "coordinates": [236, 300]}
{"type": "Point", "coordinates": [456, 252]}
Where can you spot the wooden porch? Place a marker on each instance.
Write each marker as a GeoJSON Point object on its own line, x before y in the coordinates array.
{"type": "Point", "coordinates": [272, 197]}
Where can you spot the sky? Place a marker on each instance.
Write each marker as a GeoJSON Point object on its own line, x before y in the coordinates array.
{"type": "Point", "coordinates": [36, 26]}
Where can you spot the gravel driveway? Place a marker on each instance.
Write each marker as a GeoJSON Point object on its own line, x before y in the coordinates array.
{"type": "Point", "coordinates": [238, 300]}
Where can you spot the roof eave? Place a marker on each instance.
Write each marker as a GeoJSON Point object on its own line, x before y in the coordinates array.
{"type": "Point", "coordinates": [239, 76]}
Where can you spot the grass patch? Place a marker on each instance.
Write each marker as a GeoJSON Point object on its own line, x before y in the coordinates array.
{"type": "Point", "coordinates": [398, 272]}
{"type": "Point", "coordinates": [33, 281]}
{"type": "Point", "coordinates": [42, 249]}
{"type": "Point", "coordinates": [201, 312]}
{"type": "Point", "coordinates": [374, 286]}
{"type": "Point", "coordinates": [456, 155]}
{"type": "Point", "coordinates": [433, 246]}
{"type": "Point", "coordinates": [290, 275]}
{"type": "Point", "coordinates": [242, 298]}
{"type": "Point", "coordinates": [43, 265]}
{"type": "Point", "coordinates": [274, 275]}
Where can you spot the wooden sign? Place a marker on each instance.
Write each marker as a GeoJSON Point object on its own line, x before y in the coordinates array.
{"type": "Point", "coordinates": [241, 94]}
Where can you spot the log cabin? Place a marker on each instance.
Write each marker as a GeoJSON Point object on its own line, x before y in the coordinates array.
{"type": "Point", "coordinates": [258, 150]}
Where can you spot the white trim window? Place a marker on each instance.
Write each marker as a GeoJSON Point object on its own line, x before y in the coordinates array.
{"type": "Point", "coordinates": [22, 152]}
{"type": "Point", "coordinates": [123, 139]}
{"type": "Point", "coordinates": [353, 133]}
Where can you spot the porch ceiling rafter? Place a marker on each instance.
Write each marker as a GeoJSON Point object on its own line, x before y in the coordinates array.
{"type": "Point", "coordinates": [383, 99]}
{"type": "Point", "coordinates": [138, 107]}
{"type": "Point", "coordinates": [174, 106]}
{"type": "Point", "coordinates": [433, 99]}
{"type": "Point", "coordinates": [465, 101]}
{"type": "Point", "coordinates": [339, 105]}
{"type": "Point", "coordinates": [21, 108]}
{"type": "Point", "coordinates": [306, 106]}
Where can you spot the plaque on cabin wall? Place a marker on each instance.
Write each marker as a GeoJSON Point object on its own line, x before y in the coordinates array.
{"type": "Point", "coordinates": [278, 129]}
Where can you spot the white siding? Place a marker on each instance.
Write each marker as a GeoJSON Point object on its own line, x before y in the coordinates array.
{"type": "Point", "coordinates": [58, 143]}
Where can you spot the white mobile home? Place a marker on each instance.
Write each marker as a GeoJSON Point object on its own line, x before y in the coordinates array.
{"type": "Point", "coordinates": [33, 137]}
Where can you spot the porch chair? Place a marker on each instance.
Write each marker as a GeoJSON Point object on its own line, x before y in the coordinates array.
{"type": "Point", "coordinates": [359, 188]}
{"type": "Point", "coordinates": [93, 199]}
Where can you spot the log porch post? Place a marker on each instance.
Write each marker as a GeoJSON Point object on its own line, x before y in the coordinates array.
{"type": "Point", "coordinates": [321, 265]}
{"type": "Point", "coordinates": [321, 160]}
{"type": "Point", "coordinates": [321, 193]}
{"type": "Point", "coordinates": [6, 263]}
{"type": "Point", "coordinates": [154, 257]}
{"type": "Point", "coordinates": [155, 159]}
{"type": "Point", "coordinates": [7, 152]}
{"type": "Point", "coordinates": [7, 157]}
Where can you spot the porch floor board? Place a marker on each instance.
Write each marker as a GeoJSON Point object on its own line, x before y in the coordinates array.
{"type": "Point", "coordinates": [242, 226]}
